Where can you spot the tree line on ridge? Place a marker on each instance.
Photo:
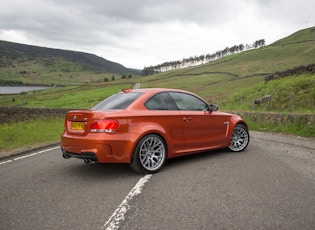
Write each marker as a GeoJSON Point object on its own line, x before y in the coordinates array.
{"type": "Point", "coordinates": [202, 59]}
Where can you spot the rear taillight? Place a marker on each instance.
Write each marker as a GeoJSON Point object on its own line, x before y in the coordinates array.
{"type": "Point", "coordinates": [65, 125]}
{"type": "Point", "coordinates": [104, 126]}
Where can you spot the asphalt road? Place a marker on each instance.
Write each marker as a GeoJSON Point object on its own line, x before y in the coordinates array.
{"type": "Point", "coordinates": [271, 185]}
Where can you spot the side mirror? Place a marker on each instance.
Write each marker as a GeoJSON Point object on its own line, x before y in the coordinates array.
{"type": "Point", "coordinates": [213, 107]}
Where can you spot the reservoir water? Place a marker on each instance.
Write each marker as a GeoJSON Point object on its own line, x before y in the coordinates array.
{"type": "Point", "coordinates": [19, 89]}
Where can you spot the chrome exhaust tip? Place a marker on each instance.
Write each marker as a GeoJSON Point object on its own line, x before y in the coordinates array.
{"type": "Point", "coordinates": [89, 161]}
{"type": "Point", "coordinates": [65, 155]}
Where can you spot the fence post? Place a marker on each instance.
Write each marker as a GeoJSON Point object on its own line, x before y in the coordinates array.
{"type": "Point", "coordinates": [291, 101]}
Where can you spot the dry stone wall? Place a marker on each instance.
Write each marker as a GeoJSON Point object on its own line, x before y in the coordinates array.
{"type": "Point", "coordinates": [14, 114]}
{"type": "Point", "coordinates": [277, 118]}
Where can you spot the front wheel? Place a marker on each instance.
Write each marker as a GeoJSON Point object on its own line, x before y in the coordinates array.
{"type": "Point", "coordinates": [149, 155]}
{"type": "Point", "coordinates": [240, 138]}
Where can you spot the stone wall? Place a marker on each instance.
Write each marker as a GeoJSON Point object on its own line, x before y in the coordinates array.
{"type": "Point", "coordinates": [277, 118]}
{"type": "Point", "coordinates": [14, 114]}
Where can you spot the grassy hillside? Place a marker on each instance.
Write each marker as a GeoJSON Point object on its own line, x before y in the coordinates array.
{"type": "Point", "coordinates": [39, 65]}
{"type": "Point", "coordinates": [290, 94]}
{"type": "Point", "coordinates": [221, 78]}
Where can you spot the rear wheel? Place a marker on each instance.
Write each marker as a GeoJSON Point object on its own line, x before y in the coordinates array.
{"type": "Point", "coordinates": [149, 155]}
{"type": "Point", "coordinates": [240, 138]}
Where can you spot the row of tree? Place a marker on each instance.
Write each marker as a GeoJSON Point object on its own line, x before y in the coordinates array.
{"type": "Point", "coordinates": [202, 59]}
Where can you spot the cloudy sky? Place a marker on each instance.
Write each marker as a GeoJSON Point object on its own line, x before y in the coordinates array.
{"type": "Point", "coordinates": [139, 33]}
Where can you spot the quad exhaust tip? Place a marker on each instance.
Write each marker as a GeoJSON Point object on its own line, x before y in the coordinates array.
{"type": "Point", "coordinates": [89, 161]}
{"type": "Point", "coordinates": [88, 158]}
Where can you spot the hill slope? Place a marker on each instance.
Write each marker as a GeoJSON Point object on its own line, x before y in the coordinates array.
{"type": "Point", "coordinates": [24, 54]}
{"type": "Point", "coordinates": [223, 77]}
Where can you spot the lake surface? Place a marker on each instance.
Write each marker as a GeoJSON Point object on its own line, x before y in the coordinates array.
{"type": "Point", "coordinates": [19, 89]}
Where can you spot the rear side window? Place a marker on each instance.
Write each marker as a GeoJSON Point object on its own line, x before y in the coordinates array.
{"type": "Point", "coordinates": [161, 101]}
{"type": "Point", "coordinates": [117, 101]}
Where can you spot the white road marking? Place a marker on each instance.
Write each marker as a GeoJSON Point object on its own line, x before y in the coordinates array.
{"type": "Point", "coordinates": [29, 155]}
{"type": "Point", "coordinates": [119, 214]}
{"type": "Point", "coordinates": [4, 162]}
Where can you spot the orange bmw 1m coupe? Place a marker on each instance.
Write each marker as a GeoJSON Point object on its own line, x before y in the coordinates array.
{"type": "Point", "coordinates": [144, 127]}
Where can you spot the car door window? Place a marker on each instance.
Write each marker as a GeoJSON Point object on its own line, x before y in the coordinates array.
{"type": "Point", "coordinates": [160, 101]}
{"type": "Point", "coordinates": [186, 101]}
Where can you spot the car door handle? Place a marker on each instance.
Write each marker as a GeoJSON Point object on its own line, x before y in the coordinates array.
{"type": "Point", "coordinates": [187, 119]}
{"type": "Point", "coordinates": [226, 122]}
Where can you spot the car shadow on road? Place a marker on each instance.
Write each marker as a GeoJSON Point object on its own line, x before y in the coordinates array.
{"type": "Point", "coordinates": [200, 157]}
{"type": "Point", "coordinates": [75, 168]}
{"type": "Point", "coordinates": [98, 171]}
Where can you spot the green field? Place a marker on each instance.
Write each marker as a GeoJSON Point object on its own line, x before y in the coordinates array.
{"type": "Point", "coordinates": [63, 97]}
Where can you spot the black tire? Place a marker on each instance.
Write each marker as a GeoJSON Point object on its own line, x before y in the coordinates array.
{"type": "Point", "coordinates": [149, 155]}
{"type": "Point", "coordinates": [240, 138]}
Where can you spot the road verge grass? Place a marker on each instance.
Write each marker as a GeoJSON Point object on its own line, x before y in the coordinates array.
{"type": "Point", "coordinates": [27, 134]}
{"type": "Point", "coordinates": [298, 127]}
{"type": "Point", "coordinates": [20, 136]}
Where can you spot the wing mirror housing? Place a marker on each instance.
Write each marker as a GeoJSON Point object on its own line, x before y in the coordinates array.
{"type": "Point", "coordinates": [213, 107]}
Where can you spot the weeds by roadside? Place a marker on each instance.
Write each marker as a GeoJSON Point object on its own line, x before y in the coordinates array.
{"type": "Point", "coordinates": [28, 133]}
{"type": "Point", "coordinates": [298, 127]}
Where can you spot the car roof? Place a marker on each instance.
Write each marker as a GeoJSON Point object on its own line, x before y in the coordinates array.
{"type": "Point", "coordinates": [155, 90]}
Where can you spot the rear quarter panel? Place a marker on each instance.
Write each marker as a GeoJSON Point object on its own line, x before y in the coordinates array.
{"type": "Point", "coordinates": [167, 124]}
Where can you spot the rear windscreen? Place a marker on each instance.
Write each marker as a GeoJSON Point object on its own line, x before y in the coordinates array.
{"type": "Point", "coordinates": [117, 101]}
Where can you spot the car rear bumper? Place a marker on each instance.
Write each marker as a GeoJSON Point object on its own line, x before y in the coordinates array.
{"type": "Point", "coordinates": [111, 150]}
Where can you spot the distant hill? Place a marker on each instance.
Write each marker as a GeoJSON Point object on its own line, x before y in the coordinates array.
{"type": "Point", "coordinates": [38, 65]}
{"type": "Point", "coordinates": [10, 52]}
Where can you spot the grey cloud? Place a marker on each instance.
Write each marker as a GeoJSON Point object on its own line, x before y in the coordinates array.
{"type": "Point", "coordinates": [150, 11]}
{"type": "Point", "coordinates": [139, 25]}
{"type": "Point", "coordinates": [80, 18]}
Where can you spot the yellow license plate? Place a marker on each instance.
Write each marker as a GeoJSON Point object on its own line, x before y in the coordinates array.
{"type": "Point", "coordinates": [77, 125]}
